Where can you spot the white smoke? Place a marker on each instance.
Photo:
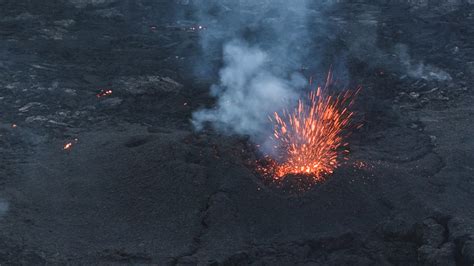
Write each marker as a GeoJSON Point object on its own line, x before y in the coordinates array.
{"type": "Point", "coordinates": [419, 70]}
{"type": "Point", "coordinates": [363, 36]}
{"type": "Point", "coordinates": [263, 43]}
{"type": "Point", "coordinates": [247, 93]}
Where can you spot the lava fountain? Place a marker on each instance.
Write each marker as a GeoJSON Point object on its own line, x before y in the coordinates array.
{"type": "Point", "coordinates": [311, 139]}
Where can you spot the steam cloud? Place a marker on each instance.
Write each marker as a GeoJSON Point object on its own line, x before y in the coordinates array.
{"type": "Point", "coordinates": [363, 37]}
{"type": "Point", "coordinates": [248, 92]}
{"type": "Point", "coordinates": [263, 43]}
{"type": "Point", "coordinates": [419, 70]}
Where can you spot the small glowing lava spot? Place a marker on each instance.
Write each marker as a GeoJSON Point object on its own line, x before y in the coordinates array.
{"type": "Point", "coordinates": [362, 165]}
{"type": "Point", "coordinates": [197, 28]}
{"type": "Point", "coordinates": [104, 93]}
{"type": "Point", "coordinates": [67, 146]}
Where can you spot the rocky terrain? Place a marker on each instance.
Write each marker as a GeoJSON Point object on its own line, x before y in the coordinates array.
{"type": "Point", "coordinates": [101, 165]}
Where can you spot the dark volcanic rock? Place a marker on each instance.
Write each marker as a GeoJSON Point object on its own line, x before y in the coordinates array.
{"type": "Point", "coordinates": [467, 252]}
{"type": "Point", "coordinates": [150, 85]}
{"type": "Point", "coordinates": [432, 233]}
{"type": "Point", "coordinates": [398, 229]}
{"type": "Point", "coordinates": [138, 185]}
{"type": "Point", "coordinates": [445, 255]}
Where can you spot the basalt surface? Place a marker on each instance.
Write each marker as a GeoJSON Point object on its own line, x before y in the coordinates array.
{"type": "Point", "coordinates": [139, 185]}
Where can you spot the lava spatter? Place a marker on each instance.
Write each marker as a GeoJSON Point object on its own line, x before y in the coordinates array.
{"type": "Point", "coordinates": [311, 139]}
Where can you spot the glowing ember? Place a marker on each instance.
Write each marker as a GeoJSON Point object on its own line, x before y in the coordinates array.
{"type": "Point", "coordinates": [360, 165]}
{"type": "Point", "coordinates": [197, 28]}
{"type": "Point", "coordinates": [310, 140]}
{"type": "Point", "coordinates": [104, 93]}
{"type": "Point", "coordinates": [67, 146]}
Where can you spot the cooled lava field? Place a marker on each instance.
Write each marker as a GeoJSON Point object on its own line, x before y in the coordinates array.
{"type": "Point", "coordinates": [135, 132]}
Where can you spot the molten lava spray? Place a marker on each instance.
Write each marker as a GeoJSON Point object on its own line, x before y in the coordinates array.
{"type": "Point", "coordinates": [311, 139]}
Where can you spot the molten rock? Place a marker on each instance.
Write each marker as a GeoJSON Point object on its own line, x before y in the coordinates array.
{"type": "Point", "coordinates": [310, 140]}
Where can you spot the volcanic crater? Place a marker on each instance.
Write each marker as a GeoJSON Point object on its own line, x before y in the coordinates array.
{"type": "Point", "coordinates": [101, 163]}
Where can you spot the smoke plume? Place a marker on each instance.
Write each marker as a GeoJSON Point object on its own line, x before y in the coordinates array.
{"type": "Point", "coordinates": [419, 70]}
{"type": "Point", "coordinates": [262, 44]}
{"type": "Point", "coordinates": [247, 93]}
{"type": "Point", "coordinates": [265, 45]}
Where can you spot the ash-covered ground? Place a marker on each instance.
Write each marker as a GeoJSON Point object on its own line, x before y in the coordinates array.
{"type": "Point", "coordinates": [138, 184]}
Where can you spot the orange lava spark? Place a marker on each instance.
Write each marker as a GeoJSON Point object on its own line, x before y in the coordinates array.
{"type": "Point", "coordinates": [361, 165]}
{"type": "Point", "coordinates": [311, 139]}
{"type": "Point", "coordinates": [67, 146]}
{"type": "Point", "coordinates": [104, 93]}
